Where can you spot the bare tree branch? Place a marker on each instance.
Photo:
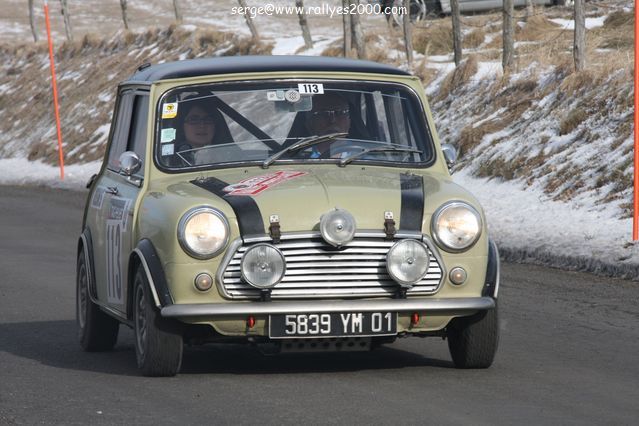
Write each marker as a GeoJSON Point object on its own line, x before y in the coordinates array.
{"type": "Point", "coordinates": [579, 51]}
{"type": "Point", "coordinates": [346, 21]}
{"type": "Point", "coordinates": [408, 40]}
{"type": "Point", "coordinates": [249, 20]}
{"type": "Point", "coordinates": [308, 41]}
{"type": "Point", "coordinates": [509, 45]}
{"type": "Point", "coordinates": [67, 20]}
{"type": "Point", "coordinates": [457, 39]}
{"type": "Point", "coordinates": [358, 35]}
{"type": "Point", "coordinates": [124, 17]}
{"type": "Point", "coordinates": [32, 21]}
{"type": "Point", "coordinates": [178, 11]}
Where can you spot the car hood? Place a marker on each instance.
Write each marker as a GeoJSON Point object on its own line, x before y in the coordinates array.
{"type": "Point", "coordinates": [300, 196]}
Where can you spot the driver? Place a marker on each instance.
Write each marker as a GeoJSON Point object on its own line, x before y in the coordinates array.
{"type": "Point", "coordinates": [330, 114]}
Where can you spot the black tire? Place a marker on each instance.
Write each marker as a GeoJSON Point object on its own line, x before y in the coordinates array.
{"type": "Point", "coordinates": [473, 340]}
{"type": "Point", "coordinates": [97, 331]}
{"type": "Point", "coordinates": [158, 343]}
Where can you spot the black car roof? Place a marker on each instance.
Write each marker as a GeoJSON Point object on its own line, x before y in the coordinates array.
{"type": "Point", "coordinates": [241, 64]}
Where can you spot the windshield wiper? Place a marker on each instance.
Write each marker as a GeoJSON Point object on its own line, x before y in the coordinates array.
{"type": "Point", "coordinates": [301, 144]}
{"type": "Point", "coordinates": [344, 161]}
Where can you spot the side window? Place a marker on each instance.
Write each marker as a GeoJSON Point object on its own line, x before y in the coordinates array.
{"type": "Point", "coordinates": [137, 132]}
{"type": "Point", "coordinates": [120, 132]}
{"type": "Point", "coordinates": [399, 128]}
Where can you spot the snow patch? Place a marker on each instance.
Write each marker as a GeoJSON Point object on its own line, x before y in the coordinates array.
{"type": "Point", "coordinates": [20, 171]}
{"type": "Point", "coordinates": [569, 24]}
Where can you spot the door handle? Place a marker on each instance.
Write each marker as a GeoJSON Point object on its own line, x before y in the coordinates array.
{"type": "Point", "coordinates": [112, 190]}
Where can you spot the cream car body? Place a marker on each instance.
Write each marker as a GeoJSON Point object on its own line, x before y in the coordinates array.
{"type": "Point", "coordinates": [134, 266]}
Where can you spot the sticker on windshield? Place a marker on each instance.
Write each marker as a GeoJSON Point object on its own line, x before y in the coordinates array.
{"type": "Point", "coordinates": [257, 184]}
{"type": "Point", "coordinates": [168, 135]}
{"type": "Point", "coordinates": [275, 95]}
{"type": "Point", "coordinates": [169, 110]}
{"type": "Point", "coordinates": [168, 149]}
{"type": "Point", "coordinates": [311, 88]}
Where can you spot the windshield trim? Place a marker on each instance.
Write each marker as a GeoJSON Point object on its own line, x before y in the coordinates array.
{"type": "Point", "coordinates": [429, 139]}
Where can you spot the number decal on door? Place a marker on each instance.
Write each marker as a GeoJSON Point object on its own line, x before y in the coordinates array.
{"type": "Point", "coordinates": [114, 252]}
{"type": "Point", "coordinates": [115, 228]}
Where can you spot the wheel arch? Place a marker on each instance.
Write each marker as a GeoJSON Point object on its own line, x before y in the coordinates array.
{"type": "Point", "coordinates": [144, 255]}
{"type": "Point", "coordinates": [85, 244]}
{"type": "Point", "coordinates": [491, 284]}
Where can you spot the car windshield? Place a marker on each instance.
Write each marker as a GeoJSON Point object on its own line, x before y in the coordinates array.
{"type": "Point", "coordinates": [278, 122]}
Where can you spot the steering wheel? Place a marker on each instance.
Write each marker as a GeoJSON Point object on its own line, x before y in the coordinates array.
{"type": "Point", "coordinates": [349, 149]}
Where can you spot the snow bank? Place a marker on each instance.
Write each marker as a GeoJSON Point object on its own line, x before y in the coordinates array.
{"type": "Point", "coordinates": [20, 171]}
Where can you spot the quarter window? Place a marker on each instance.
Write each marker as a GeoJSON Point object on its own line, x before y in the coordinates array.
{"type": "Point", "coordinates": [137, 133]}
{"type": "Point", "coordinates": [120, 132]}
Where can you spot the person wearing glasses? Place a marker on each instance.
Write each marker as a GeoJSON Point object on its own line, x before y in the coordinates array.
{"type": "Point", "coordinates": [197, 122]}
{"type": "Point", "coordinates": [330, 114]}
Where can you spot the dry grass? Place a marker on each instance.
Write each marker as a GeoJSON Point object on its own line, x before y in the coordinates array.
{"type": "Point", "coordinates": [572, 120]}
{"type": "Point", "coordinates": [474, 39]}
{"type": "Point", "coordinates": [377, 54]}
{"type": "Point", "coordinates": [497, 167]}
{"type": "Point", "coordinates": [374, 41]}
{"type": "Point", "coordinates": [436, 39]}
{"type": "Point", "coordinates": [617, 31]}
{"type": "Point", "coordinates": [472, 136]}
{"type": "Point", "coordinates": [425, 73]}
{"type": "Point", "coordinates": [79, 85]}
{"type": "Point", "coordinates": [458, 77]}
{"type": "Point", "coordinates": [537, 28]}
{"type": "Point", "coordinates": [334, 50]}
{"type": "Point", "coordinates": [205, 39]}
{"type": "Point", "coordinates": [516, 97]}
{"type": "Point", "coordinates": [519, 167]}
{"type": "Point", "coordinates": [496, 43]}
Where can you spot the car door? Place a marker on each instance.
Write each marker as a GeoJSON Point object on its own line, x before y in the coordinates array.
{"type": "Point", "coordinates": [119, 195]}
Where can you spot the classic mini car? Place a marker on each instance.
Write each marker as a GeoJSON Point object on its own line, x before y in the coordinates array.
{"type": "Point", "coordinates": [294, 203]}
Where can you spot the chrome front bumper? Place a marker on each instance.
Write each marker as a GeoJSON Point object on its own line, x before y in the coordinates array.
{"type": "Point", "coordinates": [456, 306]}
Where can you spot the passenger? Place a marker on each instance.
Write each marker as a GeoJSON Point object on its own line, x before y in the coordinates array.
{"type": "Point", "coordinates": [197, 123]}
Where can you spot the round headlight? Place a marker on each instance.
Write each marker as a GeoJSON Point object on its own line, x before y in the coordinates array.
{"type": "Point", "coordinates": [456, 226]}
{"type": "Point", "coordinates": [337, 227]}
{"type": "Point", "coordinates": [263, 266]}
{"type": "Point", "coordinates": [407, 262]}
{"type": "Point", "coordinates": [203, 232]}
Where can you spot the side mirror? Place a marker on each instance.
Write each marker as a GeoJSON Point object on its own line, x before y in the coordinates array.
{"type": "Point", "coordinates": [130, 163]}
{"type": "Point", "coordinates": [450, 155]}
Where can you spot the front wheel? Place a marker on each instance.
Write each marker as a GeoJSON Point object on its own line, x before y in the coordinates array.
{"type": "Point", "coordinates": [96, 330]}
{"type": "Point", "coordinates": [473, 340]}
{"type": "Point", "coordinates": [158, 344]}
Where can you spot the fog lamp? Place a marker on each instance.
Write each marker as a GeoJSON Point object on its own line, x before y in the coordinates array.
{"type": "Point", "coordinates": [263, 266]}
{"type": "Point", "coordinates": [407, 262]}
{"type": "Point", "coordinates": [337, 227]}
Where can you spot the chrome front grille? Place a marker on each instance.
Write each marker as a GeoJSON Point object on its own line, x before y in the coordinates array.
{"type": "Point", "coordinates": [315, 269]}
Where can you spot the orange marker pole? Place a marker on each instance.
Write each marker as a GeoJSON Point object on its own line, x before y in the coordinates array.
{"type": "Point", "coordinates": [55, 90]}
{"type": "Point", "coordinates": [635, 217]}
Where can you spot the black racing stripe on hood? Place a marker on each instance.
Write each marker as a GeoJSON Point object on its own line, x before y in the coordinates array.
{"type": "Point", "coordinates": [246, 210]}
{"type": "Point", "coordinates": [412, 206]}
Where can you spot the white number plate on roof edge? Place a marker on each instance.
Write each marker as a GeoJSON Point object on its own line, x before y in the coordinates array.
{"type": "Point", "coordinates": [311, 88]}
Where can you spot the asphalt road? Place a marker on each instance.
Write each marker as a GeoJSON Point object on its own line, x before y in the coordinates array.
{"type": "Point", "coordinates": [569, 353]}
